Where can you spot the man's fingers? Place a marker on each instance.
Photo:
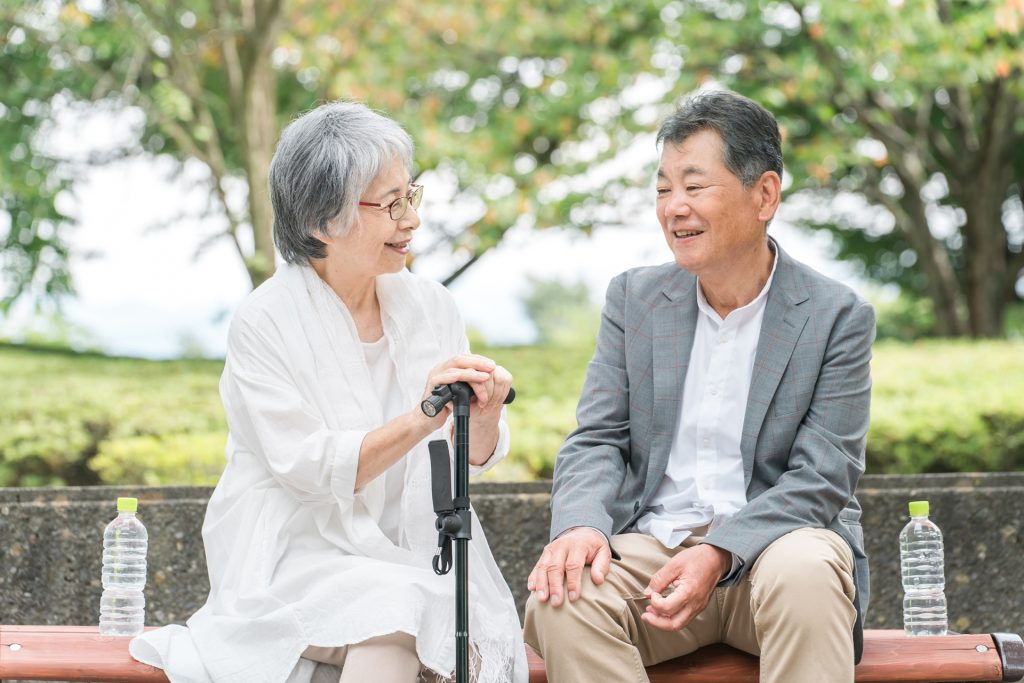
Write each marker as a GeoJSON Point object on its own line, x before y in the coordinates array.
{"type": "Point", "coordinates": [538, 581]}
{"type": "Point", "coordinates": [547, 574]}
{"type": "Point", "coordinates": [661, 580]}
{"type": "Point", "coordinates": [574, 563]}
{"type": "Point", "coordinates": [600, 565]}
{"type": "Point", "coordinates": [556, 582]}
{"type": "Point", "coordinates": [669, 603]}
{"type": "Point", "coordinates": [675, 622]}
{"type": "Point", "coordinates": [560, 567]}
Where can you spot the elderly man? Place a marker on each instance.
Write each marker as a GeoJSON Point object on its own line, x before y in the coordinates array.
{"type": "Point", "coordinates": [707, 494]}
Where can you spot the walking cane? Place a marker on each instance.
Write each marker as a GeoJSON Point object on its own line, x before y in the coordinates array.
{"type": "Point", "coordinates": [454, 517]}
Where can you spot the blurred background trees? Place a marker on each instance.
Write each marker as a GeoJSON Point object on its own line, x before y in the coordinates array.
{"type": "Point", "coordinates": [903, 118]}
{"type": "Point", "coordinates": [904, 143]}
{"type": "Point", "coordinates": [502, 98]}
{"type": "Point", "coordinates": [904, 122]}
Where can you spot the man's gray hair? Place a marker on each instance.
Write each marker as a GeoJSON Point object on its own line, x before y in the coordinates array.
{"type": "Point", "coordinates": [323, 164]}
{"type": "Point", "coordinates": [750, 134]}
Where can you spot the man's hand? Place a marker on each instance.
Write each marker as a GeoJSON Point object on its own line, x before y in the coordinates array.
{"type": "Point", "coordinates": [562, 562]}
{"type": "Point", "coordinates": [691, 576]}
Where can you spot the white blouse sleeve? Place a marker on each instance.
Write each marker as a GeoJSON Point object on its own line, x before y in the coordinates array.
{"type": "Point", "coordinates": [268, 416]}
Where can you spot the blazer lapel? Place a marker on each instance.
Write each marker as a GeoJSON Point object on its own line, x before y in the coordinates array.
{"type": "Point", "coordinates": [674, 321]}
{"type": "Point", "coordinates": [780, 329]}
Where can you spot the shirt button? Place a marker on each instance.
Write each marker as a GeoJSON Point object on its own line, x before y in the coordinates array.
{"type": "Point", "coordinates": [714, 391]}
{"type": "Point", "coordinates": [706, 441]}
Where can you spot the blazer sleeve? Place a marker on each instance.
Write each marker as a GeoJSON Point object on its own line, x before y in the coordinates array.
{"type": "Point", "coordinates": [827, 455]}
{"type": "Point", "coordinates": [269, 417]}
{"type": "Point", "coordinates": [591, 464]}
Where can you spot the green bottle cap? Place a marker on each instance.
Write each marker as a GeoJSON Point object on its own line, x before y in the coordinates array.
{"type": "Point", "coordinates": [919, 508]}
{"type": "Point", "coordinates": [127, 504]}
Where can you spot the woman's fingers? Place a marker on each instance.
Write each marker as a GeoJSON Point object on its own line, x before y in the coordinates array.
{"type": "Point", "coordinates": [471, 361]}
{"type": "Point", "coordinates": [496, 388]}
{"type": "Point", "coordinates": [489, 381]}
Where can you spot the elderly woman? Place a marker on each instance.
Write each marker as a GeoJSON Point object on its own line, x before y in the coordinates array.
{"type": "Point", "coordinates": [319, 535]}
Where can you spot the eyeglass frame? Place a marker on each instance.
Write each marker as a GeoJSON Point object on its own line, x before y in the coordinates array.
{"type": "Point", "coordinates": [413, 197]}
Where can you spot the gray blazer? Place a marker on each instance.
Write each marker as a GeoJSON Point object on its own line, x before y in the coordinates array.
{"type": "Point", "coordinates": [803, 432]}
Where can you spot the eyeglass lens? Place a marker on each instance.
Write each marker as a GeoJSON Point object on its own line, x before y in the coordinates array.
{"type": "Point", "coordinates": [398, 207]}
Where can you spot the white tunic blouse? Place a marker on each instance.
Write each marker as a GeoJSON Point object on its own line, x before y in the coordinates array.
{"type": "Point", "coordinates": [296, 555]}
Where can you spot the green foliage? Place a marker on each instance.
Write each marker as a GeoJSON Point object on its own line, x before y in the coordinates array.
{"type": "Point", "coordinates": [548, 380]}
{"type": "Point", "coordinates": [901, 119]}
{"type": "Point", "coordinates": [70, 418]}
{"type": "Point", "coordinates": [562, 313]}
{"type": "Point", "coordinates": [502, 98]}
{"type": "Point", "coordinates": [892, 114]}
{"type": "Point", "coordinates": [1015, 322]}
{"type": "Point", "coordinates": [947, 407]}
{"type": "Point", "coordinates": [905, 319]}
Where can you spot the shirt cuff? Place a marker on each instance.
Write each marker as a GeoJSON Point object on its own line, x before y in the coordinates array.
{"type": "Point", "coordinates": [737, 565]}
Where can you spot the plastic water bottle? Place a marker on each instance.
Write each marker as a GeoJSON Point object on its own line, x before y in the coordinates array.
{"type": "Point", "coordinates": [924, 581]}
{"type": "Point", "coordinates": [123, 605]}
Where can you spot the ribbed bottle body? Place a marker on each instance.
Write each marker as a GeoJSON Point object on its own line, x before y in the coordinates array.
{"type": "Point", "coordinates": [123, 604]}
{"type": "Point", "coordinates": [922, 566]}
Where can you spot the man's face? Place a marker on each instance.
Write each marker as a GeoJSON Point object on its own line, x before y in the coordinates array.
{"type": "Point", "coordinates": [710, 221]}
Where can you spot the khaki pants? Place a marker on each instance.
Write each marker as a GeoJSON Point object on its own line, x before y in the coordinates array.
{"type": "Point", "coordinates": [794, 608]}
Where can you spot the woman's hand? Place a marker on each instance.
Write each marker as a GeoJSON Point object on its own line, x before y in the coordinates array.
{"type": "Point", "coordinates": [485, 377]}
{"type": "Point", "coordinates": [485, 416]}
{"type": "Point", "coordinates": [490, 384]}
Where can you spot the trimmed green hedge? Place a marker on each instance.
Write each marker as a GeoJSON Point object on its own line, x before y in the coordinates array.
{"type": "Point", "coordinates": [69, 418]}
{"type": "Point", "coordinates": [947, 406]}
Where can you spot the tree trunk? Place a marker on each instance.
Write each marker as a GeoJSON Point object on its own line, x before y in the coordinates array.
{"type": "Point", "coordinates": [942, 286]}
{"type": "Point", "coordinates": [258, 111]}
{"type": "Point", "coordinates": [985, 251]}
{"type": "Point", "coordinates": [941, 280]}
{"type": "Point", "coordinates": [261, 127]}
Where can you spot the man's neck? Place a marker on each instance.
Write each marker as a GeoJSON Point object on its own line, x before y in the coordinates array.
{"type": "Point", "coordinates": [741, 283]}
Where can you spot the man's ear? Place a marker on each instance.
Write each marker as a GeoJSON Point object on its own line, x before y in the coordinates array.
{"type": "Point", "coordinates": [768, 194]}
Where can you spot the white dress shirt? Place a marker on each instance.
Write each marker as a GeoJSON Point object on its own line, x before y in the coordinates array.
{"type": "Point", "coordinates": [703, 483]}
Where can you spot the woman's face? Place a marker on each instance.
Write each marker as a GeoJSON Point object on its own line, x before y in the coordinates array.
{"type": "Point", "coordinates": [378, 244]}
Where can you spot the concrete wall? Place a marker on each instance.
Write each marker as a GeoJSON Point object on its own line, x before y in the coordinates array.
{"type": "Point", "coordinates": [51, 541]}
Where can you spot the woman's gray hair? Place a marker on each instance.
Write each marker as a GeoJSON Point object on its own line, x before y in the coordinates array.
{"type": "Point", "coordinates": [323, 164]}
{"type": "Point", "coordinates": [750, 134]}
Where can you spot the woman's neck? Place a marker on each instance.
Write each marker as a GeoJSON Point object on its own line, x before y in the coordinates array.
{"type": "Point", "coordinates": [358, 293]}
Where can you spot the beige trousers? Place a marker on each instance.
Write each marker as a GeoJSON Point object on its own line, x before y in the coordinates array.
{"type": "Point", "coordinates": [385, 659]}
{"type": "Point", "coordinates": [794, 608]}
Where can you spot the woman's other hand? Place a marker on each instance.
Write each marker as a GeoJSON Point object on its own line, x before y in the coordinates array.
{"type": "Point", "coordinates": [476, 371]}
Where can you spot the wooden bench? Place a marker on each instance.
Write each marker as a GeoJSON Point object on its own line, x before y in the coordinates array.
{"type": "Point", "coordinates": [79, 653]}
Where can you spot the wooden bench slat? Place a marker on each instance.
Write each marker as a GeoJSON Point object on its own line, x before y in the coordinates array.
{"type": "Point", "coordinates": [889, 657]}
{"type": "Point", "coordinates": [70, 653]}
{"type": "Point", "coordinates": [891, 654]}
{"type": "Point", "coordinates": [79, 653]}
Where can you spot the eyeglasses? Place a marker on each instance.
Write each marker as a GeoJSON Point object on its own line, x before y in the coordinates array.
{"type": "Point", "coordinates": [397, 208]}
